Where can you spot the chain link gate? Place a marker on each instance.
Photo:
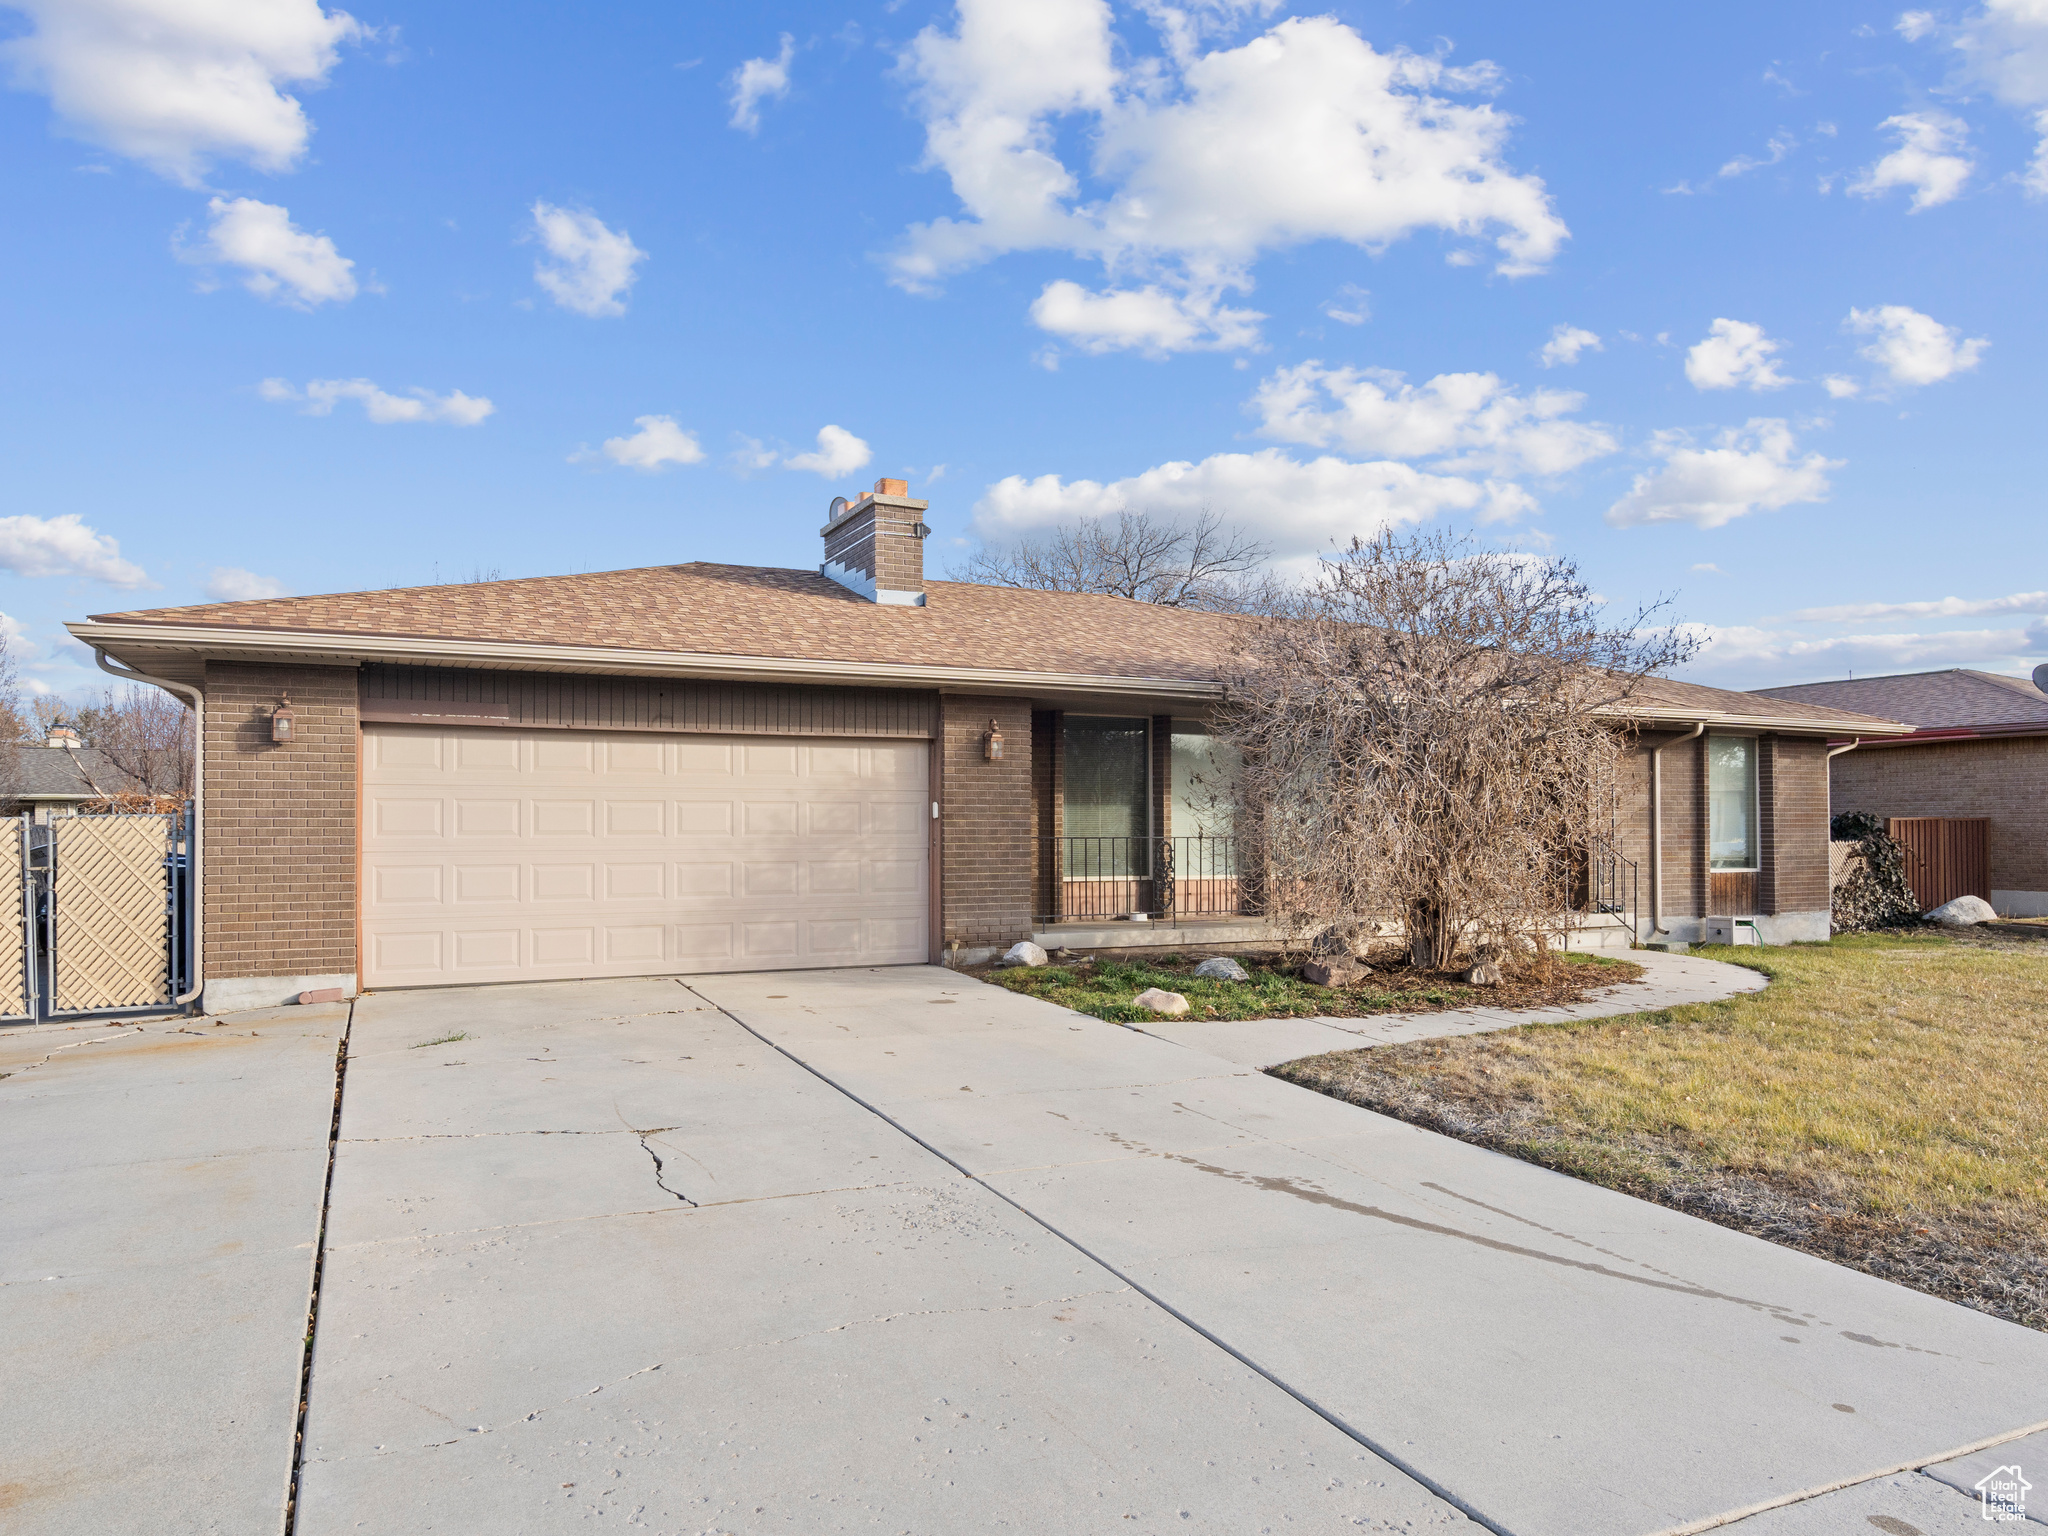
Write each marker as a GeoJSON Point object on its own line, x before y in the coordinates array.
{"type": "Point", "coordinates": [104, 923]}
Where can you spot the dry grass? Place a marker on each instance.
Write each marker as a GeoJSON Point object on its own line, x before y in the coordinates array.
{"type": "Point", "coordinates": [1886, 1098]}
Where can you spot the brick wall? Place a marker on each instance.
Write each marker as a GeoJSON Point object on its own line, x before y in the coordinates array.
{"type": "Point", "coordinates": [280, 829]}
{"type": "Point", "coordinates": [2006, 781]}
{"type": "Point", "coordinates": [1793, 787]}
{"type": "Point", "coordinates": [986, 819]}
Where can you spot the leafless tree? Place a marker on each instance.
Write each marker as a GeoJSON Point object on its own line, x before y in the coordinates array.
{"type": "Point", "coordinates": [1431, 734]}
{"type": "Point", "coordinates": [143, 733]}
{"type": "Point", "coordinates": [1203, 564]}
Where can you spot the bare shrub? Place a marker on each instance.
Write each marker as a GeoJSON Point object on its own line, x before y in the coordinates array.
{"type": "Point", "coordinates": [1431, 734]}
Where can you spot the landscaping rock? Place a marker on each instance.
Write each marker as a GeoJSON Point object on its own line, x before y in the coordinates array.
{"type": "Point", "coordinates": [1222, 968]}
{"type": "Point", "coordinates": [1963, 912]}
{"type": "Point", "coordinates": [1485, 974]}
{"type": "Point", "coordinates": [1334, 973]}
{"type": "Point", "coordinates": [1024, 952]}
{"type": "Point", "coordinates": [1161, 1002]}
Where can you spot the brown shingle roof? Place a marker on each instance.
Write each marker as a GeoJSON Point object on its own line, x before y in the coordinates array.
{"type": "Point", "coordinates": [756, 611]}
{"type": "Point", "coordinates": [740, 610]}
{"type": "Point", "coordinates": [1930, 700]}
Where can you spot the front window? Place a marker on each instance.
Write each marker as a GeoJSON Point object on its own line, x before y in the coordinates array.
{"type": "Point", "coordinates": [1105, 783]}
{"type": "Point", "coordinates": [1204, 799]}
{"type": "Point", "coordinates": [1731, 803]}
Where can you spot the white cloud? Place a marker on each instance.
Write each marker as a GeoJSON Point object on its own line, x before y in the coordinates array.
{"type": "Point", "coordinates": [839, 453]}
{"type": "Point", "coordinates": [1776, 148]}
{"type": "Point", "coordinates": [1351, 306]}
{"type": "Point", "coordinates": [658, 444]}
{"type": "Point", "coordinates": [65, 546]}
{"type": "Point", "coordinates": [2002, 47]}
{"type": "Point", "coordinates": [591, 266]}
{"type": "Point", "coordinates": [1565, 344]}
{"type": "Point", "coordinates": [1150, 320]}
{"type": "Point", "coordinates": [1914, 348]}
{"type": "Point", "coordinates": [1750, 468]}
{"type": "Point", "coordinates": [320, 396]}
{"type": "Point", "coordinates": [279, 260]}
{"type": "Point", "coordinates": [1941, 608]}
{"type": "Point", "coordinates": [1932, 159]}
{"type": "Point", "coordinates": [232, 584]}
{"type": "Point", "coordinates": [176, 86]}
{"type": "Point", "coordinates": [1708, 568]}
{"type": "Point", "coordinates": [1468, 421]}
{"type": "Point", "coordinates": [1202, 162]}
{"type": "Point", "coordinates": [1841, 387]}
{"type": "Point", "coordinates": [1734, 353]}
{"type": "Point", "coordinates": [1298, 507]}
{"type": "Point", "coordinates": [760, 80]}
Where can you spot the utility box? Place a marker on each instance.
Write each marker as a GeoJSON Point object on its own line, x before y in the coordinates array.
{"type": "Point", "coordinates": [1729, 930]}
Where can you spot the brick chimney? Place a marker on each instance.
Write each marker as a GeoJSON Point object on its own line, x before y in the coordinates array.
{"type": "Point", "coordinates": [874, 544]}
{"type": "Point", "coordinates": [63, 736]}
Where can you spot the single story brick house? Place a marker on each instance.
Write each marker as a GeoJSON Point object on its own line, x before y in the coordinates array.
{"type": "Point", "coordinates": [694, 768]}
{"type": "Point", "coordinates": [1978, 748]}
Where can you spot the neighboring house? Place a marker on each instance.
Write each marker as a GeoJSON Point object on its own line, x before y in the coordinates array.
{"type": "Point", "coordinates": [57, 779]}
{"type": "Point", "coordinates": [694, 768]}
{"type": "Point", "coordinates": [1979, 747]}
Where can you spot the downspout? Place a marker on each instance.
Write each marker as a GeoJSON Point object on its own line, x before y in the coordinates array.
{"type": "Point", "coordinates": [198, 698]}
{"type": "Point", "coordinates": [1657, 824]}
{"type": "Point", "coordinates": [1835, 752]}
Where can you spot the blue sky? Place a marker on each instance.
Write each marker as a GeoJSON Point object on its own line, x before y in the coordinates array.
{"type": "Point", "coordinates": [1740, 307]}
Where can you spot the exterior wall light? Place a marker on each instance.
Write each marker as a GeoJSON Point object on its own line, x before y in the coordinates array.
{"type": "Point", "coordinates": [281, 719]}
{"type": "Point", "coordinates": [992, 743]}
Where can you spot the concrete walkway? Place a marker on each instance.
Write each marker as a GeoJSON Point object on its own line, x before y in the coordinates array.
{"type": "Point", "coordinates": [1553, 1358]}
{"type": "Point", "coordinates": [1668, 981]}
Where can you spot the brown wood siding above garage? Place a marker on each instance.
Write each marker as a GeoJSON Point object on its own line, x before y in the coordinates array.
{"type": "Point", "coordinates": [564, 701]}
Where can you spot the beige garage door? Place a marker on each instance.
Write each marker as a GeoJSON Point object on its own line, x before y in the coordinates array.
{"type": "Point", "coordinates": [501, 855]}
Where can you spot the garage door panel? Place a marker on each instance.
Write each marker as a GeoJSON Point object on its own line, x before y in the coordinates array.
{"type": "Point", "coordinates": [564, 754]}
{"type": "Point", "coordinates": [498, 752]}
{"type": "Point", "coordinates": [479, 883]}
{"type": "Point", "coordinates": [493, 854]}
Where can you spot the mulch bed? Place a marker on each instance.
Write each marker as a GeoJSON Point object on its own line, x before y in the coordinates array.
{"type": "Point", "coordinates": [1993, 1264]}
{"type": "Point", "coordinates": [1276, 991]}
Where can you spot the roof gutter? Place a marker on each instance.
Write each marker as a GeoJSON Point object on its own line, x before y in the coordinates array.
{"type": "Point", "coordinates": [198, 698]}
{"type": "Point", "coordinates": [207, 640]}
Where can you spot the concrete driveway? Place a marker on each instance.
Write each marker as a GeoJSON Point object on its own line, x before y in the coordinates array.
{"type": "Point", "coordinates": [893, 1250]}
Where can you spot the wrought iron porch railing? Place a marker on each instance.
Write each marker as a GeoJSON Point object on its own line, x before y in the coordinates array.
{"type": "Point", "coordinates": [1612, 884]}
{"type": "Point", "coordinates": [1163, 879]}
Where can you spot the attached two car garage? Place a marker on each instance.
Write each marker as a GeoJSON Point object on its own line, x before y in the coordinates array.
{"type": "Point", "coordinates": [494, 854]}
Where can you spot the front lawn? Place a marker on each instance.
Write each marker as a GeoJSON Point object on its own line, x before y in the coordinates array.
{"type": "Point", "coordinates": [1104, 988]}
{"type": "Point", "coordinates": [1884, 1104]}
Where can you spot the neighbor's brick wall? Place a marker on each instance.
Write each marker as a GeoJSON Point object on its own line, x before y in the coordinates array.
{"type": "Point", "coordinates": [2006, 781]}
{"type": "Point", "coordinates": [280, 828]}
{"type": "Point", "coordinates": [986, 819]}
{"type": "Point", "coordinates": [1793, 791]}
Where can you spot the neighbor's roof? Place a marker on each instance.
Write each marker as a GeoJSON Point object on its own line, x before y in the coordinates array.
{"type": "Point", "coordinates": [738, 620]}
{"type": "Point", "coordinates": [1951, 703]}
{"type": "Point", "coordinates": [58, 773]}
